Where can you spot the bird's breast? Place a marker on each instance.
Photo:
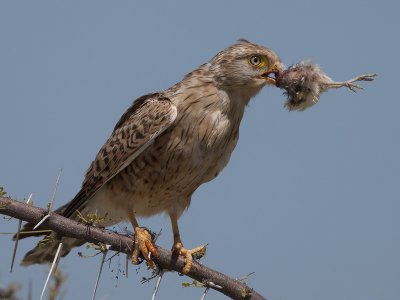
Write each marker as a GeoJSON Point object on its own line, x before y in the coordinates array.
{"type": "Point", "coordinates": [205, 141]}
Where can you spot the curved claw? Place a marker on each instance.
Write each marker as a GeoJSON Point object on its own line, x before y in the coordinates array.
{"type": "Point", "coordinates": [367, 77]}
{"type": "Point", "coordinates": [143, 246]}
{"type": "Point", "coordinates": [354, 87]}
{"type": "Point", "coordinates": [189, 254]}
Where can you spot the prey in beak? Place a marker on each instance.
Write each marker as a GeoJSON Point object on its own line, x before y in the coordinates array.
{"type": "Point", "coordinates": [303, 84]}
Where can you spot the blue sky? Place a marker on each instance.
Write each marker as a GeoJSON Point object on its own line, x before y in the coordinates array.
{"type": "Point", "coordinates": [316, 193]}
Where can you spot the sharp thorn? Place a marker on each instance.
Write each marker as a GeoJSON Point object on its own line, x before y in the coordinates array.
{"type": "Point", "coordinates": [154, 241]}
{"type": "Point", "coordinates": [126, 265]}
{"type": "Point", "coordinates": [29, 199]}
{"type": "Point", "coordinates": [54, 191]}
{"type": "Point", "coordinates": [41, 221]}
{"type": "Point", "coordinates": [17, 237]}
{"type": "Point", "coordinates": [216, 286]}
{"type": "Point", "coordinates": [56, 264]}
{"type": "Point", "coordinates": [50, 205]}
{"type": "Point", "coordinates": [99, 274]}
{"type": "Point", "coordinates": [157, 236]}
{"type": "Point", "coordinates": [55, 260]}
{"type": "Point", "coordinates": [158, 282]}
{"type": "Point", "coordinates": [15, 245]}
{"type": "Point", "coordinates": [205, 293]}
{"type": "Point", "coordinates": [30, 290]}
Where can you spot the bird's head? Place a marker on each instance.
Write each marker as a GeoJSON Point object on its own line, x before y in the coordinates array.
{"type": "Point", "coordinates": [245, 66]}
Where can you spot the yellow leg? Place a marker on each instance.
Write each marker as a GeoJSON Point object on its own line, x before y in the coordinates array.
{"type": "Point", "coordinates": [179, 249]}
{"type": "Point", "coordinates": [143, 244]}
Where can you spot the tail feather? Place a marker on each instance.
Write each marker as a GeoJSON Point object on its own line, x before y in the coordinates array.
{"type": "Point", "coordinates": [27, 231]}
{"type": "Point", "coordinates": [46, 249]}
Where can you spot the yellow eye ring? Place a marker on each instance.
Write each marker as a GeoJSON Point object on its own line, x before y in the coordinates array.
{"type": "Point", "coordinates": [257, 61]}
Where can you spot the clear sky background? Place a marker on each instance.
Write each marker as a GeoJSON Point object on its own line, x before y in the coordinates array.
{"type": "Point", "coordinates": [316, 193]}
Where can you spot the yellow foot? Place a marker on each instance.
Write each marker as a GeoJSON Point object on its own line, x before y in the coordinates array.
{"type": "Point", "coordinates": [143, 246]}
{"type": "Point", "coordinates": [197, 253]}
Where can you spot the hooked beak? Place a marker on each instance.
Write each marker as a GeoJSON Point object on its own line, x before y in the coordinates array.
{"type": "Point", "coordinates": [272, 74]}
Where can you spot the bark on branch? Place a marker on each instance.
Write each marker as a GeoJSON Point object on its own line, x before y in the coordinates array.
{"type": "Point", "coordinates": [232, 288]}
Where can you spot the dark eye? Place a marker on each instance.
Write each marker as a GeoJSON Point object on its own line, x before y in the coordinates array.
{"type": "Point", "coordinates": [255, 60]}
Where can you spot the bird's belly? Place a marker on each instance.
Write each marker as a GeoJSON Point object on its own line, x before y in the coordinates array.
{"type": "Point", "coordinates": [163, 178]}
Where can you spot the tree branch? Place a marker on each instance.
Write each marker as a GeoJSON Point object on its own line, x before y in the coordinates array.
{"type": "Point", "coordinates": [232, 288]}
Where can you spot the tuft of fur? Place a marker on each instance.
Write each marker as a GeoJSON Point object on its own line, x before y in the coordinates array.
{"type": "Point", "coordinates": [303, 84]}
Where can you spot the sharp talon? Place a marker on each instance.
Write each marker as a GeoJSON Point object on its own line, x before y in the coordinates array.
{"type": "Point", "coordinates": [367, 77]}
{"type": "Point", "coordinates": [188, 264]}
{"type": "Point", "coordinates": [199, 252]}
{"type": "Point", "coordinates": [151, 248]}
{"type": "Point", "coordinates": [143, 247]}
{"type": "Point", "coordinates": [356, 86]}
{"type": "Point", "coordinates": [189, 254]}
{"type": "Point", "coordinates": [176, 249]}
{"type": "Point", "coordinates": [150, 264]}
{"type": "Point", "coordinates": [135, 257]}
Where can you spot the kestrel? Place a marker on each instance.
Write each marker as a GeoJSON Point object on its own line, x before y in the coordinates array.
{"type": "Point", "coordinates": [165, 146]}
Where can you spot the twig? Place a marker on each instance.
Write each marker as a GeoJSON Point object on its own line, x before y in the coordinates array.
{"type": "Point", "coordinates": [232, 288]}
{"type": "Point", "coordinates": [206, 284]}
{"type": "Point", "coordinates": [17, 238]}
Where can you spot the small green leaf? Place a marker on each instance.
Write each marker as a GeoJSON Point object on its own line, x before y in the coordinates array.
{"type": "Point", "coordinates": [2, 192]}
{"type": "Point", "coordinates": [194, 283]}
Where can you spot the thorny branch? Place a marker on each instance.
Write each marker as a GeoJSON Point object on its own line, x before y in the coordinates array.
{"type": "Point", "coordinates": [232, 288]}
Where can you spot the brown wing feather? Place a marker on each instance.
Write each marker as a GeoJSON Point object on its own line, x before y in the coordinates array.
{"type": "Point", "coordinates": [134, 107]}
{"type": "Point", "coordinates": [142, 122]}
{"type": "Point", "coordinates": [147, 118]}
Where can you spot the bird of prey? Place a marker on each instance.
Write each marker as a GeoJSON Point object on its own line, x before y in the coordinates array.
{"type": "Point", "coordinates": [165, 146]}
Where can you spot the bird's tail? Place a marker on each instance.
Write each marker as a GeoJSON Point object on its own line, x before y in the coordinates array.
{"type": "Point", "coordinates": [27, 231]}
{"type": "Point", "coordinates": [46, 249]}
